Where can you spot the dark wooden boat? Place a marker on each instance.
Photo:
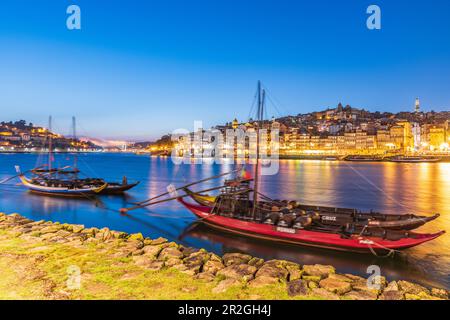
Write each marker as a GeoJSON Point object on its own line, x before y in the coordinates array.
{"type": "Point", "coordinates": [112, 188]}
{"type": "Point", "coordinates": [397, 240]}
{"type": "Point", "coordinates": [363, 158]}
{"type": "Point", "coordinates": [61, 188]}
{"type": "Point", "coordinates": [333, 217]}
{"type": "Point", "coordinates": [408, 159]}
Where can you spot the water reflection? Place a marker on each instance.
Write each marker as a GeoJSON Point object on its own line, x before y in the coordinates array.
{"type": "Point", "coordinates": [386, 187]}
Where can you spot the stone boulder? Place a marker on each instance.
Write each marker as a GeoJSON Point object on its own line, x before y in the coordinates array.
{"type": "Point", "coordinates": [50, 229]}
{"type": "Point", "coordinates": [224, 285]}
{"type": "Point", "coordinates": [412, 288]}
{"type": "Point", "coordinates": [257, 262]}
{"type": "Point", "coordinates": [158, 241]}
{"type": "Point", "coordinates": [195, 261]}
{"type": "Point", "coordinates": [392, 286]}
{"type": "Point", "coordinates": [295, 271]}
{"type": "Point", "coordinates": [361, 295]}
{"type": "Point", "coordinates": [273, 270]}
{"type": "Point", "coordinates": [205, 276]}
{"type": "Point", "coordinates": [318, 270]}
{"type": "Point", "coordinates": [238, 271]}
{"type": "Point", "coordinates": [324, 294]}
{"type": "Point", "coordinates": [170, 253]}
{"type": "Point", "coordinates": [77, 228]}
{"type": "Point", "coordinates": [212, 266]}
{"type": "Point", "coordinates": [297, 288]}
{"type": "Point", "coordinates": [392, 295]}
{"type": "Point", "coordinates": [261, 281]}
{"type": "Point", "coordinates": [440, 293]}
{"type": "Point", "coordinates": [136, 236]}
{"type": "Point", "coordinates": [155, 265]}
{"type": "Point", "coordinates": [235, 258]}
{"type": "Point", "coordinates": [152, 251]}
{"type": "Point", "coordinates": [335, 285]}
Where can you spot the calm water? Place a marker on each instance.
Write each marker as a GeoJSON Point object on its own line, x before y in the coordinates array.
{"type": "Point", "coordinates": [387, 187]}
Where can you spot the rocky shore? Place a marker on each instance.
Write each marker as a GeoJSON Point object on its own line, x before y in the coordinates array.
{"type": "Point", "coordinates": [35, 257]}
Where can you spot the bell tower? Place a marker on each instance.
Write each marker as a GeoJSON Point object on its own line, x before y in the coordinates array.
{"type": "Point", "coordinates": [417, 107]}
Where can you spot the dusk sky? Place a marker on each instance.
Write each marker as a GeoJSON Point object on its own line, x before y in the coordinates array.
{"type": "Point", "coordinates": [139, 69]}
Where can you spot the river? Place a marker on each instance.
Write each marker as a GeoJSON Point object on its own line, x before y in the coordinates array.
{"type": "Point", "coordinates": [387, 187]}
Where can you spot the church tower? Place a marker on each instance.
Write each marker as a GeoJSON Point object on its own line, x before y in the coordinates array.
{"type": "Point", "coordinates": [417, 108]}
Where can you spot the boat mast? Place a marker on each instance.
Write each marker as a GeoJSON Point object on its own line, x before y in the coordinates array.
{"type": "Point", "coordinates": [50, 144]}
{"type": "Point", "coordinates": [74, 137]}
{"type": "Point", "coordinates": [260, 112]}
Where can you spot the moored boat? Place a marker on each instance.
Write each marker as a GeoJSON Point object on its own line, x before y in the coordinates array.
{"type": "Point", "coordinates": [68, 188]}
{"type": "Point", "coordinates": [411, 159]}
{"type": "Point", "coordinates": [330, 216]}
{"type": "Point", "coordinates": [363, 158]}
{"type": "Point", "coordinates": [397, 240]}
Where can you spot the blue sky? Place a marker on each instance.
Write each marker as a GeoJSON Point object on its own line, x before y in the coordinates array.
{"type": "Point", "coordinates": [139, 69]}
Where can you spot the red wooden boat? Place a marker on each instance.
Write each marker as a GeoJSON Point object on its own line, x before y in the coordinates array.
{"type": "Point", "coordinates": [327, 240]}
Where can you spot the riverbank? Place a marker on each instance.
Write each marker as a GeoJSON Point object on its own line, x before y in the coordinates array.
{"type": "Point", "coordinates": [46, 260]}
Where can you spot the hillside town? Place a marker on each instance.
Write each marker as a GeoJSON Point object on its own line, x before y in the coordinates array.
{"type": "Point", "coordinates": [345, 130]}
{"type": "Point", "coordinates": [20, 136]}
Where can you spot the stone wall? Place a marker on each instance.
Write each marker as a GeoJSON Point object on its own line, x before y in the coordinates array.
{"type": "Point", "coordinates": [230, 270]}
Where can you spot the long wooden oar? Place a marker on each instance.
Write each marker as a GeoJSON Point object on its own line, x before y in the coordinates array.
{"type": "Point", "coordinates": [186, 186]}
{"type": "Point", "coordinates": [13, 177]}
{"type": "Point", "coordinates": [124, 210]}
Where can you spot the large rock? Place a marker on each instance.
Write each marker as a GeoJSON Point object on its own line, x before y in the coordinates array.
{"type": "Point", "coordinates": [238, 271]}
{"type": "Point", "coordinates": [392, 286]}
{"type": "Point", "coordinates": [152, 251]}
{"type": "Point", "coordinates": [392, 295]}
{"type": "Point", "coordinates": [205, 276]}
{"type": "Point", "coordinates": [158, 241]}
{"type": "Point", "coordinates": [412, 288]}
{"type": "Point", "coordinates": [76, 228]}
{"type": "Point", "coordinates": [142, 261]}
{"type": "Point", "coordinates": [235, 258]}
{"type": "Point", "coordinates": [324, 294]}
{"type": "Point", "coordinates": [212, 266]}
{"type": "Point", "coordinates": [257, 262]}
{"type": "Point", "coordinates": [136, 236]}
{"type": "Point", "coordinates": [440, 293]}
{"type": "Point", "coordinates": [339, 277]}
{"type": "Point", "coordinates": [335, 286]}
{"type": "Point", "coordinates": [170, 253]}
{"type": "Point", "coordinates": [50, 229]}
{"type": "Point", "coordinates": [261, 281]}
{"type": "Point", "coordinates": [295, 272]}
{"type": "Point", "coordinates": [155, 265]}
{"type": "Point", "coordinates": [297, 288]}
{"type": "Point", "coordinates": [273, 270]}
{"type": "Point", "coordinates": [362, 286]}
{"type": "Point", "coordinates": [224, 285]}
{"type": "Point", "coordinates": [319, 270]}
{"type": "Point", "coordinates": [196, 259]}
{"type": "Point", "coordinates": [361, 295]}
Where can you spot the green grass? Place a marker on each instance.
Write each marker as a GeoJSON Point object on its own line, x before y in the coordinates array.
{"type": "Point", "coordinates": [38, 270]}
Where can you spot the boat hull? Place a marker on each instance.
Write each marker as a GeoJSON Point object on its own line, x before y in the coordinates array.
{"type": "Point", "coordinates": [112, 189]}
{"type": "Point", "coordinates": [397, 222]}
{"type": "Point", "coordinates": [308, 238]}
{"type": "Point", "coordinates": [60, 191]}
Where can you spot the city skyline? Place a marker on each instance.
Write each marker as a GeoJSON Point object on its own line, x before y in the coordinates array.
{"type": "Point", "coordinates": [129, 70]}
